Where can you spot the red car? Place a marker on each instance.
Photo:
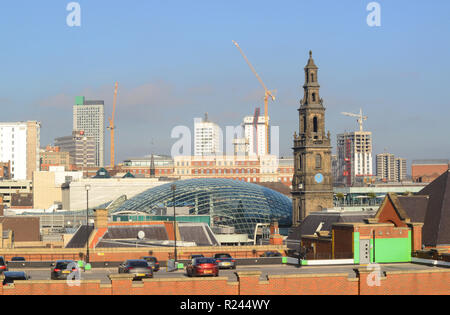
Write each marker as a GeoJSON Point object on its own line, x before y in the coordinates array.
{"type": "Point", "coordinates": [202, 267]}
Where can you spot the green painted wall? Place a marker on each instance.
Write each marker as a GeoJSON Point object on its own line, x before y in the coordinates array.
{"type": "Point", "coordinates": [356, 247]}
{"type": "Point", "coordinates": [392, 250]}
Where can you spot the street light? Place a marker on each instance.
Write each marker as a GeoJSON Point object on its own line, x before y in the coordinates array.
{"type": "Point", "coordinates": [174, 187]}
{"type": "Point", "coordinates": [87, 187]}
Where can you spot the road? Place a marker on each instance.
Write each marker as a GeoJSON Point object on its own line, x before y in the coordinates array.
{"type": "Point", "coordinates": [102, 273]}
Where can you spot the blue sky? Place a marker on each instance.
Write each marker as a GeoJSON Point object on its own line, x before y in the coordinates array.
{"type": "Point", "coordinates": [175, 60]}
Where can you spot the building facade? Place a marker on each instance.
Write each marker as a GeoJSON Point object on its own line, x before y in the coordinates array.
{"type": "Point", "coordinates": [252, 169]}
{"type": "Point", "coordinates": [5, 170]}
{"type": "Point", "coordinates": [354, 154]}
{"type": "Point", "coordinates": [245, 168]}
{"type": "Point", "coordinates": [142, 167]}
{"type": "Point", "coordinates": [19, 145]}
{"type": "Point", "coordinates": [89, 117]}
{"type": "Point", "coordinates": [312, 184]}
{"type": "Point", "coordinates": [207, 138]}
{"type": "Point", "coordinates": [81, 149]}
{"type": "Point", "coordinates": [53, 156]}
{"type": "Point", "coordinates": [390, 168]}
{"type": "Point", "coordinates": [400, 169]}
{"type": "Point", "coordinates": [255, 134]}
{"type": "Point", "coordinates": [10, 187]}
{"type": "Point", "coordinates": [425, 171]}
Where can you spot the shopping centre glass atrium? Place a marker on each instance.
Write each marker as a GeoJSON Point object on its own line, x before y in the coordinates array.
{"type": "Point", "coordinates": [230, 203]}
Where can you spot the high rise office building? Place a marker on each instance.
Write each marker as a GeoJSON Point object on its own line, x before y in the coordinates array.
{"type": "Point", "coordinates": [19, 144]}
{"type": "Point", "coordinates": [89, 117]}
{"type": "Point", "coordinates": [81, 149]}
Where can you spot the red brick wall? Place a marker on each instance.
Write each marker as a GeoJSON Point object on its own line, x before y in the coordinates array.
{"type": "Point", "coordinates": [427, 173]}
{"type": "Point", "coordinates": [100, 255]}
{"type": "Point", "coordinates": [389, 215]}
{"type": "Point", "coordinates": [250, 283]}
{"type": "Point", "coordinates": [408, 283]}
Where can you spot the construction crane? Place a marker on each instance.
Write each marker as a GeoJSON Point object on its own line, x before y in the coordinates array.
{"type": "Point", "coordinates": [360, 116]}
{"type": "Point", "coordinates": [112, 126]}
{"type": "Point", "coordinates": [255, 128]}
{"type": "Point", "coordinates": [267, 94]}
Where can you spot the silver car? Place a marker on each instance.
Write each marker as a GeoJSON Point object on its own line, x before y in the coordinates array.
{"type": "Point", "coordinates": [137, 267]}
{"type": "Point", "coordinates": [225, 261]}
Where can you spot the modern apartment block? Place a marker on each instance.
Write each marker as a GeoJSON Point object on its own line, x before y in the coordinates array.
{"type": "Point", "coordinates": [354, 157]}
{"type": "Point", "coordinates": [386, 167]}
{"type": "Point", "coordinates": [390, 168]}
{"type": "Point", "coordinates": [81, 149]}
{"type": "Point", "coordinates": [255, 133]}
{"type": "Point", "coordinates": [400, 169]}
{"type": "Point", "coordinates": [207, 138]}
{"type": "Point", "coordinates": [89, 117]}
{"type": "Point", "coordinates": [19, 145]}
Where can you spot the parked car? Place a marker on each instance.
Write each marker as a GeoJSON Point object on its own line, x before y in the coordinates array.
{"type": "Point", "coordinates": [137, 267]}
{"type": "Point", "coordinates": [225, 261]}
{"type": "Point", "coordinates": [153, 262]}
{"type": "Point", "coordinates": [271, 254]}
{"type": "Point", "coordinates": [3, 265]}
{"type": "Point", "coordinates": [18, 259]}
{"type": "Point", "coordinates": [197, 256]}
{"type": "Point", "coordinates": [61, 269]}
{"type": "Point", "coordinates": [10, 276]}
{"type": "Point", "coordinates": [202, 266]}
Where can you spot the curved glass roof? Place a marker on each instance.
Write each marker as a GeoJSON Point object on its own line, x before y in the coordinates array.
{"type": "Point", "coordinates": [229, 202]}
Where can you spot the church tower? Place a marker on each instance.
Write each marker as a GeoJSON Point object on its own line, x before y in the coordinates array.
{"type": "Point", "coordinates": [312, 185]}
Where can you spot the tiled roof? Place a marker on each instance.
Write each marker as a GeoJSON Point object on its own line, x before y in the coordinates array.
{"type": "Point", "coordinates": [311, 223]}
{"type": "Point", "coordinates": [436, 229]}
{"type": "Point", "coordinates": [415, 207]}
{"type": "Point", "coordinates": [78, 240]}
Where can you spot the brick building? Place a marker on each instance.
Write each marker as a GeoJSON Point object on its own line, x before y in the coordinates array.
{"type": "Point", "coordinates": [253, 169]}
{"type": "Point", "coordinates": [53, 156]}
{"type": "Point", "coordinates": [426, 171]}
{"type": "Point", "coordinates": [389, 237]}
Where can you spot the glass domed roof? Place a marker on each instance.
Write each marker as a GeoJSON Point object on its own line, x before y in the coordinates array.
{"type": "Point", "coordinates": [229, 202]}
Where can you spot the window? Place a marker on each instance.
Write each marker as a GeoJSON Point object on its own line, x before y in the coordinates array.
{"type": "Point", "coordinates": [315, 123]}
{"type": "Point", "coordinates": [318, 161]}
{"type": "Point", "coordinates": [314, 97]}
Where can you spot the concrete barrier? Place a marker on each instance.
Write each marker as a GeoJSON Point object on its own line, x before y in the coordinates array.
{"type": "Point", "coordinates": [115, 264]}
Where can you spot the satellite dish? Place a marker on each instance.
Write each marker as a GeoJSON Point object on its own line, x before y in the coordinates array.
{"type": "Point", "coordinates": [141, 235]}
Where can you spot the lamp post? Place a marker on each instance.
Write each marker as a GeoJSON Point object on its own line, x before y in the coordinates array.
{"type": "Point", "coordinates": [87, 187]}
{"type": "Point", "coordinates": [174, 187]}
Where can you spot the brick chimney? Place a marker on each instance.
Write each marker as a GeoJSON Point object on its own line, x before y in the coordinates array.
{"type": "Point", "coordinates": [101, 219]}
{"type": "Point", "coordinates": [275, 237]}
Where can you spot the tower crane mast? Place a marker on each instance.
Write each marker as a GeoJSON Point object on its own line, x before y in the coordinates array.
{"type": "Point", "coordinates": [112, 126]}
{"type": "Point", "coordinates": [267, 94]}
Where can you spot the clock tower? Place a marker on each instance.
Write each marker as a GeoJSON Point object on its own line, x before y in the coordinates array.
{"type": "Point", "coordinates": [312, 185]}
